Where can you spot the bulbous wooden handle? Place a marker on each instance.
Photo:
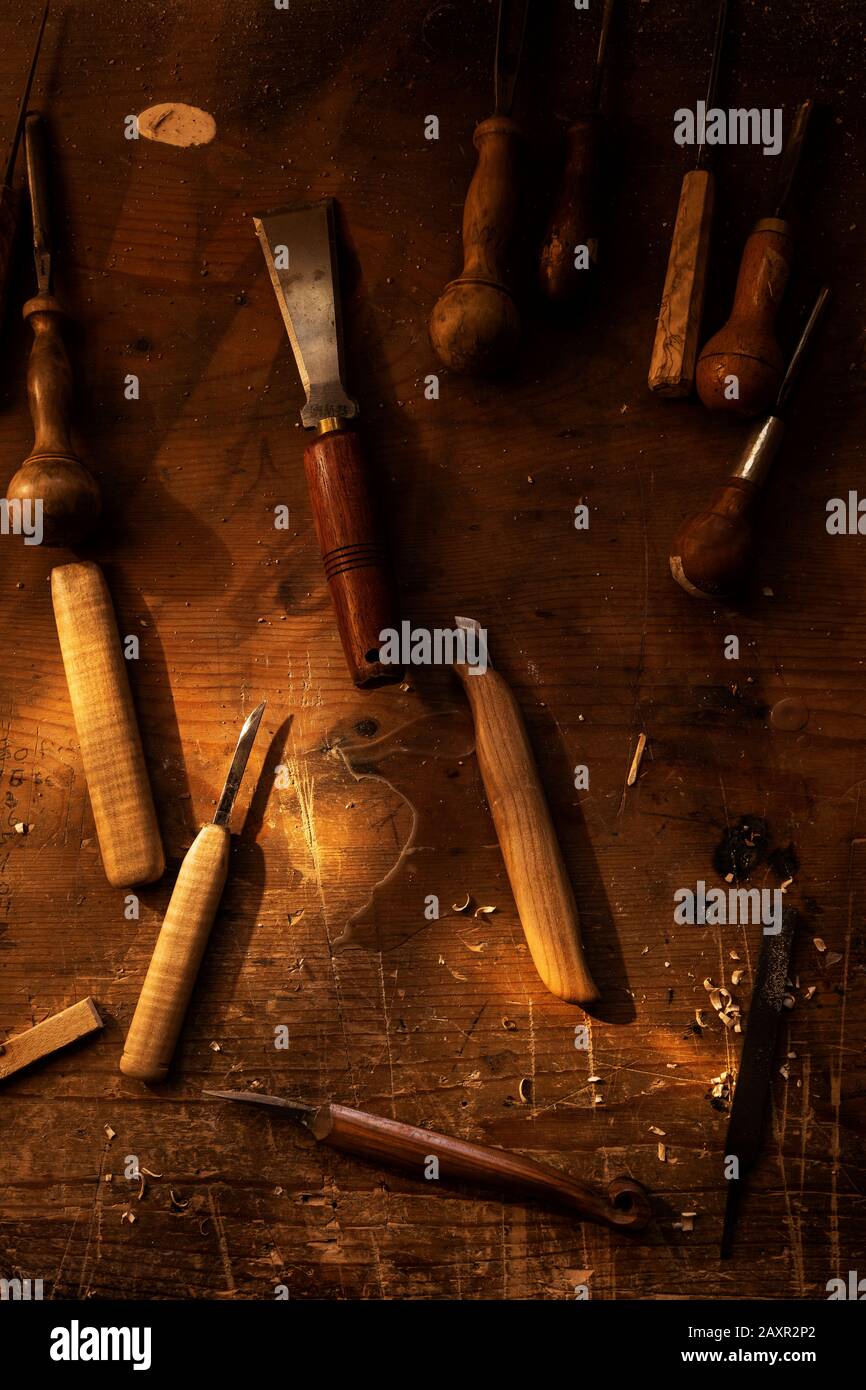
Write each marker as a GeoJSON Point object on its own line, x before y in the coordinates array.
{"type": "Point", "coordinates": [533, 859]}
{"type": "Point", "coordinates": [711, 552]}
{"type": "Point", "coordinates": [475, 326]}
{"type": "Point", "coordinates": [356, 564]}
{"type": "Point", "coordinates": [624, 1206]}
{"type": "Point", "coordinates": [180, 946]}
{"type": "Point", "coordinates": [52, 472]}
{"type": "Point", "coordinates": [746, 347]}
{"type": "Point", "coordinates": [574, 218]}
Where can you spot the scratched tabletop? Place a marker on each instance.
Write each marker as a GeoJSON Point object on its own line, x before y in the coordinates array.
{"type": "Point", "coordinates": [329, 975]}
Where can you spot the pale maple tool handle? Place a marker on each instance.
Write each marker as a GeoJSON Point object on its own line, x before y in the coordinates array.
{"type": "Point", "coordinates": [111, 751]}
{"type": "Point", "coordinates": [533, 859]}
{"type": "Point", "coordinates": [178, 953]}
{"type": "Point", "coordinates": [675, 349]}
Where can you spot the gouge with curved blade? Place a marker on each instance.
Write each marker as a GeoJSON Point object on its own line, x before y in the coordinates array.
{"type": "Point", "coordinates": [300, 252]}
{"type": "Point", "coordinates": [181, 943]}
{"type": "Point", "coordinates": [623, 1206]}
{"type": "Point", "coordinates": [533, 859]}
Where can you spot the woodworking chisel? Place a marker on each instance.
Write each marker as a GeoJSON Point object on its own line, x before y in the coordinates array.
{"type": "Point", "coordinates": [475, 326]}
{"type": "Point", "coordinates": [9, 200]}
{"type": "Point", "coordinates": [712, 551]}
{"type": "Point", "coordinates": [181, 943]}
{"type": "Point", "coordinates": [623, 1206]}
{"type": "Point", "coordinates": [740, 368]}
{"type": "Point", "coordinates": [52, 476]}
{"type": "Point", "coordinates": [300, 251]}
{"type": "Point", "coordinates": [675, 349]}
{"type": "Point", "coordinates": [752, 1089]}
{"type": "Point", "coordinates": [573, 225]}
{"type": "Point", "coordinates": [533, 859]}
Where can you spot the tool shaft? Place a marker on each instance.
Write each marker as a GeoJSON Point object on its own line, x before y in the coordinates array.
{"type": "Point", "coordinates": [111, 752]}
{"type": "Point", "coordinates": [624, 1206]}
{"type": "Point", "coordinates": [533, 859]}
{"type": "Point", "coordinates": [174, 966]}
{"type": "Point", "coordinates": [25, 98]}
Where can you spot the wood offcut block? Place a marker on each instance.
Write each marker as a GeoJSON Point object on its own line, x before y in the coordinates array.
{"type": "Point", "coordinates": [64, 1028]}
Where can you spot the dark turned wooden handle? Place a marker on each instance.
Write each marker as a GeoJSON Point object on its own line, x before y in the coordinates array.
{"type": "Point", "coordinates": [474, 326]}
{"type": "Point", "coordinates": [711, 552]}
{"type": "Point", "coordinates": [53, 471]}
{"type": "Point", "coordinates": [623, 1207]}
{"type": "Point", "coordinates": [574, 217]}
{"type": "Point", "coordinates": [746, 346]}
{"type": "Point", "coordinates": [356, 565]}
{"type": "Point", "coordinates": [9, 206]}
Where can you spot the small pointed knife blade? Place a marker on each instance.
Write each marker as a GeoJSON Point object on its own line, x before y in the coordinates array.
{"type": "Point", "coordinates": [255, 1098]}
{"type": "Point", "coordinates": [748, 1111]}
{"type": "Point", "coordinates": [36, 159]}
{"type": "Point", "coordinates": [238, 765]}
{"type": "Point", "coordinates": [300, 252]}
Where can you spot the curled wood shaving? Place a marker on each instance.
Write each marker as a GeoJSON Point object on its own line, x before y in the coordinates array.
{"type": "Point", "coordinates": [215, 1047]}
{"type": "Point", "coordinates": [524, 1090]}
{"type": "Point", "coordinates": [788, 1001]}
{"type": "Point", "coordinates": [142, 1185]}
{"type": "Point", "coordinates": [654, 1129]}
{"type": "Point", "coordinates": [484, 911]}
{"type": "Point", "coordinates": [737, 976]}
{"type": "Point", "coordinates": [508, 1024]}
{"type": "Point", "coordinates": [819, 943]}
{"type": "Point", "coordinates": [180, 1202]}
{"type": "Point", "coordinates": [785, 1070]}
{"type": "Point", "coordinates": [595, 1080]}
{"type": "Point", "coordinates": [150, 1174]}
{"type": "Point", "coordinates": [700, 1018]}
{"type": "Point", "coordinates": [109, 1133]}
{"type": "Point", "coordinates": [462, 907]}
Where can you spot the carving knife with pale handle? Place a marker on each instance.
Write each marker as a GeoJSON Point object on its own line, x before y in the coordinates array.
{"type": "Point", "coordinates": [172, 972]}
{"type": "Point", "coordinates": [300, 252]}
{"type": "Point", "coordinates": [533, 859]}
{"type": "Point", "coordinates": [622, 1206]}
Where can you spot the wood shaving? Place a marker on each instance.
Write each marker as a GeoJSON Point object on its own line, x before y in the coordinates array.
{"type": "Point", "coordinates": [662, 1153]}
{"type": "Point", "coordinates": [477, 947]}
{"type": "Point", "coordinates": [462, 907]}
{"type": "Point", "coordinates": [785, 1071]}
{"type": "Point", "coordinates": [484, 911]}
{"type": "Point", "coordinates": [687, 1220]}
{"type": "Point", "coordinates": [509, 1025]}
{"type": "Point", "coordinates": [819, 943]}
{"type": "Point", "coordinates": [150, 1174]}
{"type": "Point", "coordinates": [524, 1090]}
{"type": "Point", "coordinates": [635, 762]}
{"type": "Point", "coordinates": [181, 1203]}
{"type": "Point", "coordinates": [215, 1047]}
{"type": "Point", "coordinates": [733, 955]}
{"type": "Point", "coordinates": [809, 991]}
{"type": "Point", "coordinates": [595, 1080]}
{"type": "Point", "coordinates": [788, 1001]}
{"type": "Point", "coordinates": [127, 1216]}
{"type": "Point", "coordinates": [142, 1185]}
{"type": "Point", "coordinates": [737, 976]}
{"type": "Point", "coordinates": [110, 1133]}
{"type": "Point", "coordinates": [700, 1018]}
{"type": "Point", "coordinates": [654, 1129]}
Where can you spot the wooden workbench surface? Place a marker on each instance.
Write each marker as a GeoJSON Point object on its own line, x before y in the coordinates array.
{"type": "Point", "coordinates": [442, 1023]}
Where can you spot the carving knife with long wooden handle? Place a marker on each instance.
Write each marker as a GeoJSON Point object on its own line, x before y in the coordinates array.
{"type": "Point", "coordinates": [111, 752]}
{"type": "Point", "coordinates": [675, 347]}
{"type": "Point", "coordinates": [536, 870]}
{"type": "Point", "coordinates": [184, 934]}
{"type": "Point", "coordinates": [299, 249]}
{"type": "Point", "coordinates": [622, 1206]}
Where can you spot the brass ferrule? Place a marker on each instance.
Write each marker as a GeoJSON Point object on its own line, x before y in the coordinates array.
{"type": "Point", "coordinates": [760, 452]}
{"type": "Point", "coordinates": [330, 424]}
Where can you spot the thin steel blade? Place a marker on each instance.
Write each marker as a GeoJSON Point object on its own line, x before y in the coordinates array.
{"type": "Point", "coordinates": [748, 1111]}
{"type": "Point", "coordinates": [601, 55]}
{"type": "Point", "coordinates": [25, 97]}
{"type": "Point", "coordinates": [510, 29]}
{"type": "Point", "coordinates": [238, 765]}
{"type": "Point", "coordinates": [473, 625]}
{"type": "Point", "coordinates": [715, 66]}
{"type": "Point", "coordinates": [37, 181]}
{"type": "Point", "coordinates": [791, 156]}
{"type": "Point", "coordinates": [254, 1098]}
{"type": "Point", "coordinates": [300, 252]}
{"type": "Point", "coordinates": [795, 366]}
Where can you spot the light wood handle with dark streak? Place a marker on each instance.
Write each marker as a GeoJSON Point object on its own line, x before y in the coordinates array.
{"type": "Point", "coordinates": [624, 1206]}
{"type": "Point", "coordinates": [180, 946]}
{"type": "Point", "coordinates": [111, 752]}
{"type": "Point", "coordinates": [533, 859]}
{"type": "Point", "coordinates": [675, 348]}
{"type": "Point", "coordinates": [355, 560]}
{"type": "Point", "coordinates": [475, 326]}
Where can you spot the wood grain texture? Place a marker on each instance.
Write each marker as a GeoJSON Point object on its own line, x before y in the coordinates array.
{"type": "Point", "coordinates": [533, 859]}
{"type": "Point", "coordinates": [355, 560]}
{"type": "Point", "coordinates": [575, 214]}
{"type": "Point", "coordinates": [675, 347]}
{"type": "Point", "coordinates": [746, 346]}
{"type": "Point", "coordinates": [177, 956]}
{"type": "Point", "coordinates": [624, 1207]}
{"type": "Point", "coordinates": [475, 326]}
{"type": "Point", "coordinates": [74, 1023]}
{"type": "Point", "coordinates": [712, 550]}
{"type": "Point", "coordinates": [450, 1026]}
{"type": "Point", "coordinates": [111, 751]}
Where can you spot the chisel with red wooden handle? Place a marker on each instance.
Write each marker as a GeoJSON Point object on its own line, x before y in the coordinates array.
{"type": "Point", "coordinates": [300, 252]}
{"type": "Point", "coordinates": [622, 1206]}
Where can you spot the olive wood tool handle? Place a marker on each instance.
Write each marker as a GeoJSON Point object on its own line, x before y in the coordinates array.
{"type": "Point", "coordinates": [52, 474]}
{"type": "Point", "coordinates": [475, 326]}
{"type": "Point", "coordinates": [355, 560]}
{"type": "Point", "coordinates": [174, 966]}
{"type": "Point", "coordinates": [111, 752]}
{"type": "Point", "coordinates": [675, 347]}
{"type": "Point", "coordinates": [622, 1206]}
{"type": "Point", "coordinates": [533, 859]}
{"type": "Point", "coordinates": [573, 221]}
{"type": "Point", "coordinates": [186, 927]}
